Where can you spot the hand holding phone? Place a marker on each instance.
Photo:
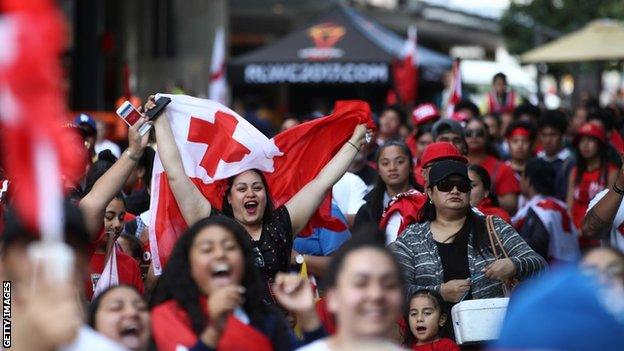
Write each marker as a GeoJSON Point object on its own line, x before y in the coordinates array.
{"type": "Point", "coordinates": [131, 115]}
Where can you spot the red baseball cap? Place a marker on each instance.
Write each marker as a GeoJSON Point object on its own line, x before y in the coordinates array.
{"type": "Point", "coordinates": [424, 113]}
{"type": "Point", "coordinates": [592, 130]}
{"type": "Point", "coordinates": [441, 150]}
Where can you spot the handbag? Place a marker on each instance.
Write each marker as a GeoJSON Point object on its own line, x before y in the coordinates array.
{"type": "Point", "coordinates": [495, 240]}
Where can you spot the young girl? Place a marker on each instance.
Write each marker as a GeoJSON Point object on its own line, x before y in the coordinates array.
{"type": "Point", "coordinates": [592, 174]}
{"type": "Point", "coordinates": [425, 317]}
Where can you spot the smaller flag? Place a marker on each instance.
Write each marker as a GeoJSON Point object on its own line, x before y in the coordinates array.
{"type": "Point", "coordinates": [456, 89]}
{"type": "Point", "coordinates": [218, 85]}
{"type": "Point", "coordinates": [405, 70]}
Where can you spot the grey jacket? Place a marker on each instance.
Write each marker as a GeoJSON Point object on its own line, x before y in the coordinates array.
{"type": "Point", "coordinates": [422, 267]}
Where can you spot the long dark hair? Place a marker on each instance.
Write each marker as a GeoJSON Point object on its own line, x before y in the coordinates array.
{"type": "Point", "coordinates": [226, 206]}
{"type": "Point", "coordinates": [478, 228]}
{"type": "Point", "coordinates": [408, 338]}
{"type": "Point", "coordinates": [581, 163]}
{"type": "Point", "coordinates": [490, 148]}
{"type": "Point", "coordinates": [376, 195]}
{"type": "Point", "coordinates": [483, 174]}
{"type": "Point", "coordinates": [177, 284]}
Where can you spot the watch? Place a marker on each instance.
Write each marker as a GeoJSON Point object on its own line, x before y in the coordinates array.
{"type": "Point", "coordinates": [299, 259]}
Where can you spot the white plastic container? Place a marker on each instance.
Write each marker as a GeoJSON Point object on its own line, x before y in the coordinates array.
{"type": "Point", "coordinates": [478, 320]}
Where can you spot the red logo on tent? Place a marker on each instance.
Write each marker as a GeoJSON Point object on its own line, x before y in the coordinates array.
{"type": "Point", "coordinates": [324, 36]}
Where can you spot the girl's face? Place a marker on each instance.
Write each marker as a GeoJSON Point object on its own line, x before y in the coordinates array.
{"type": "Point", "coordinates": [425, 319]}
{"type": "Point", "coordinates": [519, 147]}
{"type": "Point", "coordinates": [367, 296]}
{"type": "Point", "coordinates": [248, 198]}
{"type": "Point", "coordinates": [452, 199]}
{"type": "Point", "coordinates": [475, 136]}
{"type": "Point", "coordinates": [114, 217]}
{"type": "Point", "coordinates": [478, 191]}
{"type": "Point", "coordinates": [216, 259]}
{"type": "Point", "coordinates": [123, 316]}
{"type": "Point", "coordinates": [393, 166]}
{"type": "Point", "coordinates": [422, 143]}
{"type": "Point", "coordinates": [588, 146]}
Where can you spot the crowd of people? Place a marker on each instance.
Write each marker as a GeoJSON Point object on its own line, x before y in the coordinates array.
{"type": "Point", "coordinates": [438, 209]}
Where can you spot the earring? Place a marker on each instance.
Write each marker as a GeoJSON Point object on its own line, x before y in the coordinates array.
{"type": "Point", "coordinates": [431, 202]}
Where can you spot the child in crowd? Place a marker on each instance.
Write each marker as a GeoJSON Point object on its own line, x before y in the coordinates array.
{"type": "Point", "coordinates": [425, 317]}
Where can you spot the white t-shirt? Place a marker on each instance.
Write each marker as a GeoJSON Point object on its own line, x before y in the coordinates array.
{"type": "Point", "coordinates": [318, 345]}
{"type": "Point", "coordinates": [107, 145]}
{"type": "Point", "coordinates": [392, 228]}
{"type": "Point", "coordinates": [377, 345]}
{"type": "Point", "coordinates": [89, 339]}
{"type": "Point", "coordinates": [616, 237]}
{"type": "Point", "coordinates": [348, 193]}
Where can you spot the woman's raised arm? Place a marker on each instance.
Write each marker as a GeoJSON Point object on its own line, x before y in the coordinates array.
{"type": "Point", "coordinates": [110, 183]}
{"type": "Point", "coordinates": [192, 203]}
{"type": "Point", "coordinates": [308, 199]}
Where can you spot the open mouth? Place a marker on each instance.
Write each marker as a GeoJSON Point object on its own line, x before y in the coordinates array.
{"type": "Point", "coordinates": [251, 206]}
{"type": "Point", "coordinates": [221, 270]}
{"type": "Point", "coordinates": [421, 329]}
{"type": "Point", "coordinates": [130, 335]}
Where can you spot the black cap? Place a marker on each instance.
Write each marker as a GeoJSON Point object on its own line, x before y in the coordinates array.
{"type": "Point", "coordinates": [446, 168]}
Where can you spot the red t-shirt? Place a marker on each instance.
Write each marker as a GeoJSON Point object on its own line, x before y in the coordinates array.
{"type": "Point", "coordinates": [503, 177]}
{"type": "Point", "coordinates": [127, 268]}
{"type": "Point", "coordinates": [444, 344]}
{"type": "Point", "coordinates": [486, 207]}
{"type": "Point", "coordinates": [591, 184]}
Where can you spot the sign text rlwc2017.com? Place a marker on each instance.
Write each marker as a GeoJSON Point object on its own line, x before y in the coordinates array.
{"type": "Point", "coordinates": [6, 314]}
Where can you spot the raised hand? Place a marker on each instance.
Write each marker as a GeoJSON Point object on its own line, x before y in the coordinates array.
{"type": "Point", "coordinates": [294, 293]}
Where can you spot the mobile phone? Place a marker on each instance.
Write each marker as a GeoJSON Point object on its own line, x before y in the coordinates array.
{"type": "Point", "coordinates": [157, 110]}
{"type": "Point", "coordinates": [53, 259]}
{"type": "Point", "coordinates": [131, 115]}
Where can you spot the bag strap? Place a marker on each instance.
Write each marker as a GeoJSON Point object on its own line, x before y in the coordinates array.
{"type": "Point", "coordinates": [490, 231]}
{"type": "Point", "coordinates": [493, 236]}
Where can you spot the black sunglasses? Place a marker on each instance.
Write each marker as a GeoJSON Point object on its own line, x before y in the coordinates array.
{"type": "Point", "coordinates": [446, 185]}
{"type": "Point", "coordinates": [478, 133]}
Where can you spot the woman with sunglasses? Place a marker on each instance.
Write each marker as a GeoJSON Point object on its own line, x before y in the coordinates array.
{"type": "Point", "coordinates": [481, 151]}
{"type": "Point", "coordinates": [449, 251]}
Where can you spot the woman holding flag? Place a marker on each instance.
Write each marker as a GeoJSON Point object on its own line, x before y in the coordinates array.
{"type": "Point", "coordinates": [247, 198]}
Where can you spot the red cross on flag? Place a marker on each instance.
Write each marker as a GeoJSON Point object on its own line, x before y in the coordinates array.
{"type": "Point", "coordinates": [215, 144]}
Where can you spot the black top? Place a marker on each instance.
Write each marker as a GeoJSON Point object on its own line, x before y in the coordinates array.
{"type": "Point", "coordinates": [272, 251]}
{"type": "Point", "coordinates": [454, 256]}
{"type": "Point", "coordinates": [368, 175]}
{"type": "Point", "coordinates": [138, 202]}
{"type": "Point", "coordinates": [535, 234]}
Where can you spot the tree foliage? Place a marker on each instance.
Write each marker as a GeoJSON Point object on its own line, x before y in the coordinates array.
{"type": "Point", "coordinates": [520, 20]}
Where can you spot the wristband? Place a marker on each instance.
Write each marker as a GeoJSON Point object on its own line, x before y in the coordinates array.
{"type": "Point", "coordinates": [617, 190]}
{"type": "Point", "coordinates": [352, 144]}
{"type": "Point", "coordinates": [132, 157]}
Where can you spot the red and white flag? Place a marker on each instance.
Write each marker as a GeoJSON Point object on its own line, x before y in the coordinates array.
{"type": "Point", "coordinates": [405, 70]}
{"type": "Point", "coordinates": [455, 94]}
{"type": "Point", "coordinates": [215, 143]}
{"type": "Point", "coordinates": [37, 151]}
{"type": "Point", "coordinates": [563, 237]}
{"type": "Point", "coordinates": [217, 90]}
{"type": "Point", "coordinates": [110, 274]}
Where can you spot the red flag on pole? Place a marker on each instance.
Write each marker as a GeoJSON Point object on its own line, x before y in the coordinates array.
{"type": "Point", "coordinates": [405, 70]}
{"type": "Point", "coordinates": [38, 153]}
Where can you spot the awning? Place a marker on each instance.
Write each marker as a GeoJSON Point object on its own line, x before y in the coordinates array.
{"type": "Point", "coordinates": [598, 41]}
{"type": "Point", "coordinates": [338, 47]}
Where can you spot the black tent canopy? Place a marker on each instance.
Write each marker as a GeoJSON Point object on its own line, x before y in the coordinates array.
{"type": "Point", "coordinates": [338, 47]}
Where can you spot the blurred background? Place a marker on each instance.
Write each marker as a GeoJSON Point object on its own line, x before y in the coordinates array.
{"type": "Point", "coordinates": [126, 48]}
